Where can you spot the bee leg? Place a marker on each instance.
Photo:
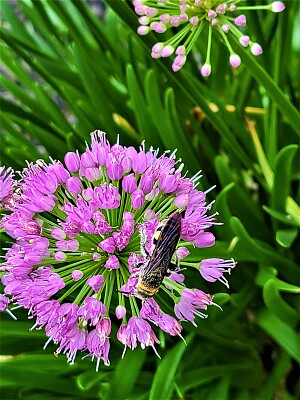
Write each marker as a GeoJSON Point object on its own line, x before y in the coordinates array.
{"type": "Point", "coordinates": [143, 242]}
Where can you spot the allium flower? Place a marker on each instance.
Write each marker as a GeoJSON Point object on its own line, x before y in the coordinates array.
{"type": "Point", "coordinates": [214, 268]}
{"type": "Point", "coordinates": [191, 18]}
{"type": "Point", "coordinates": [6, 186]}
{"type": "Point", "coordinates": [78, 233]}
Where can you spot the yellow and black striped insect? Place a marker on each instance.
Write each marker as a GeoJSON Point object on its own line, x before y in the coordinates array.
{"type": "Point", "coordinates": [158, 264]}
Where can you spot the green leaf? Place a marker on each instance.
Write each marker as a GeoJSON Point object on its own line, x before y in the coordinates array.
{"type": "Point", "coordinates": [282, 177]}
{"type": "Point", "coordinates": [265, 273]}
{"type": "Point", "coordinates": [163, 381]}
{"type": "Point", "coordinates": [143, 117]}
{"type": "Point", "coordinates": [277, 305]}
{"type": "Point", "coordinates": [202, 376]}
{"type": "Point", "coordinates": [266, 254]}
{"type": "Point", "coordinates": [126, 374]}
{"type": "Point", "coordinates": [286, 237]}
{"type": "Point", "coordinates": [286, 218]}
{"type": "Point", "coordinates": [279, 372]}
{"type": "Point", "coordinates": [282, 333]}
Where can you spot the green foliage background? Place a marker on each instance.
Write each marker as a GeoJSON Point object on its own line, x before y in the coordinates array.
{"type": "Point", "coordinates": [67, 72]}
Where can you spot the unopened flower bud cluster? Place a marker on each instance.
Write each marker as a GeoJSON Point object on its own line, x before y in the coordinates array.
{"type": "Point", "coordinates": [191, 18]}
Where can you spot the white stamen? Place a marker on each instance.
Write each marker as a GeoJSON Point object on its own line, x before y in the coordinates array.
{"type": "Point", "coordinates": [11, 314]}
{"type": "Point", "coordinates": [46, 344]}
{"type": "Point", "coordinates": [208, 190]}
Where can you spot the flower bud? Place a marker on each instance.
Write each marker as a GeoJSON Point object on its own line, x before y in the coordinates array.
{"type": "Point", "coordinates": [256, 49]}
{"type": "Point", "coordinates": [194, 20]}
{"type": "Point", "coordinates": [72, 161]}
{"type": "Point", "coordinates": [115, 170]}
{"type": "Point", "coordinates": [137, 199]}
{"type": "Point", "coordinates": [204, 239]}
{"type": "Point", "coordinates": [175, 21]}
{"type": "Point", "coordinates": [221, 8]}
{"type": "Point", "coordinates": [143, 30]}
{"type": "Point", "coordinates": [96, 256]}
{"type": "Point", "coordinates": [277, 6]}
{"type": "Point", "coordinates": [60, 171]}
{"type": "Point", "coordinates": [206, 70]}
{"type": "Point", "coordinates": [151, 11]}
{"type": "Point", "coordinates": [60, 256]}
{"type": "Point", "coordinates": [157, 48]}
{"type": "Point", "coordinates": [72, 245]}
{"type": "Point", "coordinates": [167, 51]}
{"type": "Point", "coordinates": [92, 174]}
{"type": "Point", "coordinates": [58, 233]}
{"type": "Point", "coordinates": [244, 40]}
{"type": "Point", "coordinates": [235, 60]}
{"type": "Point", "coordinates": [139, 163]}
{"type": "Point", "coordinates": [149, 214]}
{"type": "Point", "coordinates": [144, 20]}
{"type": "Point", "coordinates": [86, 159]}
{"type": "Point", "coordinates": [165, 18]}
{"type": "Point", "coordinates": [182, 252]}
{"type": "Point", "coordinates": [120, 311]}
{"type": "Point", "coordinates": [88, 194]}
{"type": "Point", "coordinates": [129, 184]}
{"type": "Point", "coordinates": [74, 185]}
{"type": "Point", "coordinates": [240, 20]}
{"type": "Point", "coordinates": [211, 14]}
{"type": "Point", "coordinates": [225, 28]}
{"type": "Point", "coordinates": [77, 274]}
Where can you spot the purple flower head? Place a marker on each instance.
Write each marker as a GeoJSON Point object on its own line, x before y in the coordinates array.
{"type": "Point", "coordinates": [71, 342]}
{"type": "Point", "coordinates": [3, 302]}
{"type": "Point", "coordinates": [128, 288]}
{"type": "Point", "coordinates": [175, 277]}
{"type": "Point", "coordinates": [137, 331]}
{"type": "Point", "coordinates": [108, 245]}
{"type": "Point", "coordinates": [150, 310]}
{"type": "Point", "coordinates": [214, 268]}
{"type": "Point", "coordinates": [98, 349]}
{"type": "Point", "coordinates": [95, 282]}
{"type": "Point", "coordinates": [190, 303]}
{"type": "Point", "coordinates": [170, 325]}
{"type": "Point", "coordinates": [107, 197]}
{"type": "Point", "coordinates": [85, 233]}
{"type": "Point", "coordinates": [112, 262]}
{"type": "Point", "coordinates": [92, 310]}
{"type": "Point", "coordinates": [6, 186]}
{"type": "Point", "coordinates": [188, 19]}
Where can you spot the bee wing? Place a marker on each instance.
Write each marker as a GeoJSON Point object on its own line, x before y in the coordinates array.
{"type": "Point", "coordinates": [165, 247]}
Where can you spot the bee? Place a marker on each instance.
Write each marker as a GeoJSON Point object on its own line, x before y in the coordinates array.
{"type": "Point", "coordinates": [158, 264]}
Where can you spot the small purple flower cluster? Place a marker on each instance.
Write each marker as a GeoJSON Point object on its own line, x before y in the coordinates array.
{"type": "Point", "coordinates": [76, 228]}
{"type": "Point", "coordinates": [192, 17]}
